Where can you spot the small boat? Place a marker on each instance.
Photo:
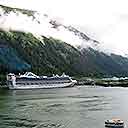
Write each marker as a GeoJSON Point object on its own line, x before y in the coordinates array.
{"type": "Point", "coordinates": [114, 123]}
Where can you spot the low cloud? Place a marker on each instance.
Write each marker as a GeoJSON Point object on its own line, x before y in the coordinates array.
{"type": "Point", "coordinates": [38, 26]}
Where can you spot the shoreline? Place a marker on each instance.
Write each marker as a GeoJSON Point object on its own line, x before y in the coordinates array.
{"type": "Point", "coordinates": [104, 83]}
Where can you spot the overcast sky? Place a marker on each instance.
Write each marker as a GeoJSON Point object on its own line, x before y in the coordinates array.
{"type": "Point", "coordinates": [104, 20]}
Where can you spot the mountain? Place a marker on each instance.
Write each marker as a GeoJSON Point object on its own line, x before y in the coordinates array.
{"type": "Point", "coordinates": [24, 52]}
{"type": "Point", "coordinates": [95, 63]}
{"type": "Point", "coordinates": [45, 25]}
{"type": "Point", "coordinates": [49, 52]}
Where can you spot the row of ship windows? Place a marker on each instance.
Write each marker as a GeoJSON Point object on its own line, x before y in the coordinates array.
{"type": "Point", "coordinates": [43, 81]}
{"type": "Point", "coordinates": [40, 83]}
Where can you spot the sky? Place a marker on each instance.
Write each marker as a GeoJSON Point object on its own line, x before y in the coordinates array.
{"type": "Point", "coordinates": [103, 20]}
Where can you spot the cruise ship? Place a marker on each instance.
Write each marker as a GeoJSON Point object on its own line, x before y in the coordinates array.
{"type": "Point", "coordinates": [31, 81]}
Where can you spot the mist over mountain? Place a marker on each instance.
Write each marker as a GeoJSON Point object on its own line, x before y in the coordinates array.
{"type": "Point", "coordinates": [42, 24]}
{"type": "Point", "coordinates": [30, 41]}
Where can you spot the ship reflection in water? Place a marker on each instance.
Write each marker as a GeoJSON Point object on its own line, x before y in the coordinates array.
{"type": "Point", "coordinates": [75, 107]}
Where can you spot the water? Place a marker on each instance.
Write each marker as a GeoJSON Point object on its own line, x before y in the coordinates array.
{"type": "Point", "coordinates": [77, 107]}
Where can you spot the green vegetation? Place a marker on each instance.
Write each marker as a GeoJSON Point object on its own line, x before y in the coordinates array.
{"type": "Point", "coordinates": [20, 52]}
{"type": "Point", "coordinates": [98, 64]}
{"type": "Point", "coordinates": [46, 57]}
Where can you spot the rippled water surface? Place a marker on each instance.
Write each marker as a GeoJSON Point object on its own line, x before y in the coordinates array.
{"type": "Point", "coordinates": [77, 107]}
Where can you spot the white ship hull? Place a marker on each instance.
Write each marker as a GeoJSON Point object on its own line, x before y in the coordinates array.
{"type": "Point", "coordinates": [22, 87]}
